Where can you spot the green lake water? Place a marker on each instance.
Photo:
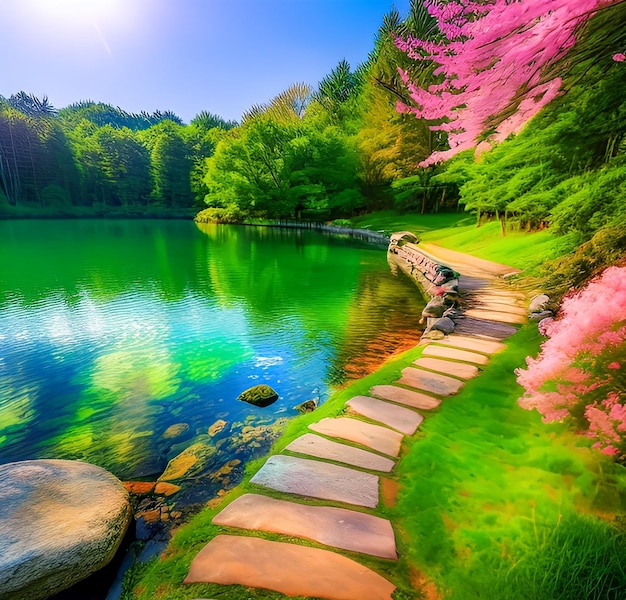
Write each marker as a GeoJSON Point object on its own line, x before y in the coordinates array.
{"type": "Point", "coordinates": [112, 331]}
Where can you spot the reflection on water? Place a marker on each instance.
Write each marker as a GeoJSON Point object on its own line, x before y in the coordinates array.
{"type": "Point", "coordinates": [113, 331]}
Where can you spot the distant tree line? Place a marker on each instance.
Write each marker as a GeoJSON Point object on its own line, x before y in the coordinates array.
{"type": "Point", "coordinates": [356, 141]}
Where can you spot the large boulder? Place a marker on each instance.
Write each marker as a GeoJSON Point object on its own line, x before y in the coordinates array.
{"type": "Point", "coordinates": [61, 521]}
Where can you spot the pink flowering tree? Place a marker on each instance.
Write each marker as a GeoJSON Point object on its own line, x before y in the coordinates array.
{"type": "Point", "coordinates": [580, 374]}
{"type": "Point", "coordinates": [496, 65]}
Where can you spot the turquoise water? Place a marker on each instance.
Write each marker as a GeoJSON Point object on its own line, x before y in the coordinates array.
{"type": "Point", "coordinates": [112, 331]}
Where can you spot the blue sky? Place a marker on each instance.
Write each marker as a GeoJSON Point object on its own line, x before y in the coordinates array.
{"type": "Point", "coordinates": [181, 55]}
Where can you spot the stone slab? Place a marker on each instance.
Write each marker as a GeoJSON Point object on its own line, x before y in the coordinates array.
{"type": "Point", "coordinates": [375, 437]}
{"type": "Point", "coordinates": [286, 568]}
{"type": "Point", "coordinates": [442, 385]}
{"type": "Point", "coordinates": [317, 479]}
{"type": "Point", "coordinates": [401, 395]}
{"type": "Point", "coordinates": [502, 307]}
{"type": "Point", "coordinates": [494, 315]}
{"type": "Point", "coordinates": [454, 354]}
{"type": "Point", "coordinates": [399, 418]}
{"type": "Point", "coordinates": [474, 344]}
{"type": "Point", "coordinates": [456, 369]}
{"type": "Point", "coordinates": [337, 527]}
{"type": "Point", "coordinates": [315, 445]}
{"type": "Point", "coordinates": [470, 326]}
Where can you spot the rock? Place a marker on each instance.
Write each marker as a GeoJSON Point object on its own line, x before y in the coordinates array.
{"type": "Point", "coordinates": [435, 308]}
{"type": "Point", "coordinates": [539, 316]}
{"type": "Point", "coordinates": [259, 395]}
{"type": "Point", "coordinates": [61, 521]}
{"type": "Point", "coordinates": [444, 324]}
{"type": "Point", "coordinates": [434, 334]}
{"type": "Point", "coordinates": [139, 488]}
{"type": "Point", "coordinates": [174, 431]}
{"type": "Point", "coordinates": [306, 406]}
{"type": "Point", "coordinates": [166, 489]}
{"type": "Point", "coordinates": [217, 427]}
{"type": "Point", "coordinates": [538, 303]}
{"type": "Point", "coordinates": [189, 462]}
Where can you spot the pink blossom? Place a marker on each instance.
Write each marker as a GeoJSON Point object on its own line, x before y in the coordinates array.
{"type": "Point", "coordinates": [579, 367]}
{"type": "Point", "coordinates": [619, 57]}
{"type": "Point", "coordinates": [495, 57]}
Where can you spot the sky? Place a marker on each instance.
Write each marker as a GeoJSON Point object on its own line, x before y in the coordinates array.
{"type": "Point", "coordinates": [186, 56]}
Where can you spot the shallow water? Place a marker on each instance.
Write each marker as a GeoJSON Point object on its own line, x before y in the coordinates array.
{"type": "Point", "coordinates": [112, 331]}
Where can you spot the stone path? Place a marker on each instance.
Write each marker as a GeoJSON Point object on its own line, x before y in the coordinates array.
{"type": "Point", "coordinates": [340, 461]}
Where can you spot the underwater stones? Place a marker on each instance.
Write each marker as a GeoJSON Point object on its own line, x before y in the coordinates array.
{"type": "Point", "coordinates": [290, 569]}
{"type": "Point", "coordinates": [139, 488]}
{"type": "Point", "coordinates": [259, 395]}
{"type": "Point", "coordinates": [217, 427]}
{"type": "Point", "coordinates": [188, 462]}
{"type": "Point", "coordinates": [173, 431]}
{"type": "Point", "coordinates": [166, 489]}
{"type": "Point", "coordinates": [317, 479]}
{"type": "Point", "coordinates": [338, 527]}
{"type": "Point", "coordinates": [60, 522]}
{"type": "Point", "coordinates": [306, 407]}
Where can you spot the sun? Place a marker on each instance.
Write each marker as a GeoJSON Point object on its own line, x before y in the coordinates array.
{"type": "Point", "coordinates": [74, 23]}
{"type": "Point", "coordinates": [74, 11]}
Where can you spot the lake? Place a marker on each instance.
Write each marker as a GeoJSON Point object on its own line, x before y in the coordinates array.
{"type": "Point", "coordinates": [112, 331]}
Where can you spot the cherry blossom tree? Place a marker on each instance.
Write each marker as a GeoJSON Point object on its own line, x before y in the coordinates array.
{"type": "Point", "coordinates": [496, 65]}
{"type": "Point", "coordinates": [580, 373]}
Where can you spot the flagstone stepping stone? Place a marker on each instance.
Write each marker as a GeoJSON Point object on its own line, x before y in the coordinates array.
{"type": "Point", "coordinates": [407, 397]}
{"type": "Point", "coordinates": [493, 315]}
{"type": "Point", "coordinates": [471, 326]}
{"type": "Point", "coordinates": [435, 383]}
{"type": "Point", "coordinates": [475, 344]}
{"type": "Point", "coordinates": [456, 369]}
{"type": "Point", "coordinates": [375, 437]}
{"type": "Point", "coordinates": [317, 479]}
{"type": "Point", "coordinates": [508, 308]}
{"type": "Point", "coordinates": [287, 568]}
{"type": "Point", "coordinates": [315, 445]}
{"type": "Point", "coordinates": [402, 419]}
{"type": "Point", "coordinates": [337, 527]}
{"type": "Point", "coordinates": [454, 354]}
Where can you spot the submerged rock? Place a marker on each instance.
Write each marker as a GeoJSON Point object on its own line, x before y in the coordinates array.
{"type": "Point", "coordinates": [307, 406]}
{"type": "Point", "coordinates": [188, 462]}
{"type": "Point", "coordinates": [175, 430]}
{"type": "Point", "coordinates": [217, 427]}
{"type": "Point", "coordinates": [259, 395]}
{"type": "Point", "coordinates": [61, 521]}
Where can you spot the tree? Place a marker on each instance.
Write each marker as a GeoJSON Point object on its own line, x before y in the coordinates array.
{"type": "Point", "coordinates": [498, 62]}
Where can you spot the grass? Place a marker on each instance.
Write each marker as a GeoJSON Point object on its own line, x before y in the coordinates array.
{"type": "Point", "coordinates": [458, 231]}
{"type": "Point", "coordinates": [494, 503]}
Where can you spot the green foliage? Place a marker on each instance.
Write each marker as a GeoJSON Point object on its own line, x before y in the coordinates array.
{"type": "Point", "coordinates": [567, 167]}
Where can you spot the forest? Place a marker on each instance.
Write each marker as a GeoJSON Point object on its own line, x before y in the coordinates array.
{"type": "Point", "coordinates": [533, 138]}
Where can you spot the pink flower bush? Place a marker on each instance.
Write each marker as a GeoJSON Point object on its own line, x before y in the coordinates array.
{"type": "Point", "coordinates": [619, 57]}
{"type": "Point", "coordinates": [578, 374]}
{"type": "Point", "coordinates": [496, 57]}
